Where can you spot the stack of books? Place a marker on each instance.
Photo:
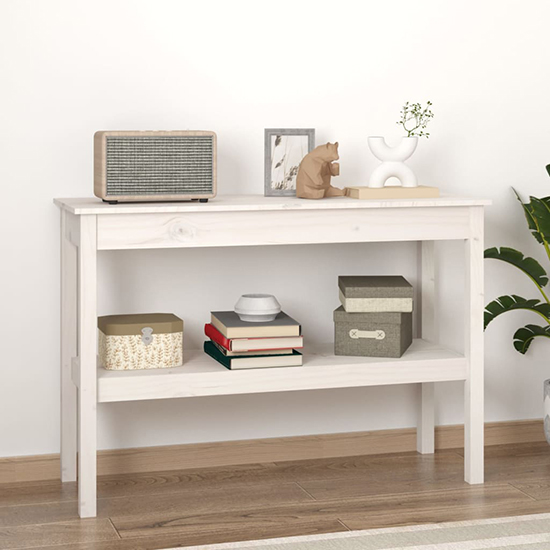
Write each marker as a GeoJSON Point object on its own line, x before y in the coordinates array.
{"type": "Point", "coordinates": [238, 344]}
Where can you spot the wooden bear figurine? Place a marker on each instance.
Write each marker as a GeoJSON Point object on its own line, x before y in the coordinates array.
{"type": "Point", "coordinates": [315, 171]}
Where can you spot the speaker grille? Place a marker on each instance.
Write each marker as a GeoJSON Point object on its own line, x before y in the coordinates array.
{"type": "Point", "coordinates": [159, 165]}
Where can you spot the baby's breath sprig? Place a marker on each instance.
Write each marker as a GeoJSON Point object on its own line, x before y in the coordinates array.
{"type": "Point", "coordinates": [414, 119]}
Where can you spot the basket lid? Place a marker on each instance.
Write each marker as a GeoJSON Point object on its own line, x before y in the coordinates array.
{"type": "Point", "coordinates": [124, 325]}
{"type": "Point", "coordinates": [375, 286]}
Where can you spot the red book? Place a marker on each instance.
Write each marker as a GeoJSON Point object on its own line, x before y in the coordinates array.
{"type": "Point", "coordinates": [252, 344]}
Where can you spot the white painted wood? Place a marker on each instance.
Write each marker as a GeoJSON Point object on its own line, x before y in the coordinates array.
{"type": "Point", "coordinates": [425, 434]}
{"type": "Point", "coordinates": [68, 349]}
{"type": "Point", "coordinates": [255, 220]}
{"type": "Point", "coordinates": [87, 352]}
{"type": "Point", "coordinates": [428, 300]}
{"type": "Point", "coordinates": [72, 229]}
{"type": "Point", "coordinates": [242, 203]}
{"type": "Point", "coordinates": [473, 393]}
{"type": "Point", "coordinates": [202, 376]}
{"type": "Point", "coordinates": [425, 430]}
{"type": "Point", "coordinates": [204, 229]}
{"type": "Point", "coordinates": [75, 372]}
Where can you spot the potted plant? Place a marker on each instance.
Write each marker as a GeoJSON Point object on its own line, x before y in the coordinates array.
{"type": "Point", "coordinates": [537, 213]}
{"type": "Point", "coordinates": [414, 121]}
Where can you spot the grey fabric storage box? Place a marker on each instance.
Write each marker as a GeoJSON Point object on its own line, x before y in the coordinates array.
{"type": "Point", "coordinates": [372, 334]}
{"type": "Point", "coordinates": [388, 293]}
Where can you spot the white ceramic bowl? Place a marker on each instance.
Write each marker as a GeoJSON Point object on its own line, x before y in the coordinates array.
{"type": "Point", "coordinates": [257, 308]}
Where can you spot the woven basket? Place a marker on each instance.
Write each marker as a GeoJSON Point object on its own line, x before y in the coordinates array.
{"type": "Point", "coordinates": [144, 341]}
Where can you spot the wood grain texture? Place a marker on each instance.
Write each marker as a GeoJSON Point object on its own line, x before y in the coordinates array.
{"type": "Point", "coordinates": [216, 533]}
{"type": "Point", "coordinates": [243, 203]}
{"type": "Point", "coordinates": [474, 351]}
{"type": "Point", "coordinates": [538, 489]}
{"type": "Point", "coordinates": [252, 220]}
{"type": "Point", "coordinates": [7, 471]}
{"type": "Point", "coordinates": [280, 227]}
{"type": "Point", "coordinates": [379, 520]}
{"type": "Point", "coordinates": [68, 408]}
{"type": "Point", "coordinates": [67, 533]}
{"type": "Point", "coordinates": [87, 350]}
{"type": "Point", "coordinates": [425, 434]}
{"type": "Point", "coordinates": [173, 522]}
{"type": "Point", "coordinates": [232, 453]}
{"type": "Point", "coordinates": [200, 376]}
{"type": "Point", "coordinates": [194, 500]}
{"type": "Point", "coordinates": [209, 505]}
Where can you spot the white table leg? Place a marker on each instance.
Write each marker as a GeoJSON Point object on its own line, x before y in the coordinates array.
{"type": "Point", "coordinates": [68, 348]}
{"type": "Point", "coordinates": [473, 393]}
{"type": "Point", "coordinates": [87, 338]}
{"type": "Point", "coordinates": [425, 431]}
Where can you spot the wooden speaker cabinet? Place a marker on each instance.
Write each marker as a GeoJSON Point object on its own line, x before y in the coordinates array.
{"type": "Point", "coordinates": [142, 166]}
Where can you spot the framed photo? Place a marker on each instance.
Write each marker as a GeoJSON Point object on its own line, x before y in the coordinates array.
{"type": "Point", "coordinates": [284, 150]}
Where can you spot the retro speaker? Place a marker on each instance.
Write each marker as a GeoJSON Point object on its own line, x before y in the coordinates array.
{"type": "Point", "coordinates": [133, 166]}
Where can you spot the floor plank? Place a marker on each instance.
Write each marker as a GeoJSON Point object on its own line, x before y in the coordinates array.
{"type": "Point", "coordinates": [217, 534]}
{"type": "Point", "coordinates": [146, 524]}
{"type": "Point", "coordinates": [370, 485]}
{"type": "Point", "coordinates": [67, 533]}
{"type": "Point", "coordinates": [183, 480]}
{"type": "Point", "coordinates": [378, 520]}
{"type": "Point", "coordinates": [224, 504]}
{"type": "Point", "coordinates": [539, 449]}
{"type": "Point", "coordinates": [375, 465]}
{"type": "Point", "coordinates": [195, 501]}
{"type": "Point", "coordinates": [538, 488]}
{"type": "Point", "coordinates": [141, 484]}
{"type": "Point", "coordinates": [36, 492]}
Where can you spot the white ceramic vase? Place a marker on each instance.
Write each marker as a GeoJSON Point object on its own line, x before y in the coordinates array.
{"type": "Point", "coordinates": [393, 161]}
{"type": "Point", "coordinates": [257, 308]}
{"type": "Point", "coordinates": [547, 410]}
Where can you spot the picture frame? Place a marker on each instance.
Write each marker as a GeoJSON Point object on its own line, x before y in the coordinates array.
{"type": "Point", "coordinates": [284, 150]}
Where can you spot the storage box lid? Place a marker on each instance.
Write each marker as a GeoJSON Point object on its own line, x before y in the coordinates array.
{"type": "Point", "coordinates": [124, 325]}
{"type": "Point", "coordinates": [375, 286]}
{"type": "Point", "coordinates": [388, 318]}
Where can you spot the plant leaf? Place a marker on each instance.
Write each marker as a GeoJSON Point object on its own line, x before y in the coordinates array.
{"type": "Point", "coordinates": [529, 266]}
{"type": "Point", "coordinates": [540, 209]}
{"type": "Point", "coordinates": [537, 214]}
{"type": "Point", "coordinates": [528, 211]}
{"type": "Point", "coordinates": [524, 336]}
{"type": "Point", "coordinates": [512, 303]}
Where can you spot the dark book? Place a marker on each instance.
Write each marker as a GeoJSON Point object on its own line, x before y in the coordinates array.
{"type": "Point", "coordinates": [253, 362]}
{"type": "Point", "coordinates": [230, 353]}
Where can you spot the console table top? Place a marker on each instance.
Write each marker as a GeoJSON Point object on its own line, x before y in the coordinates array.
{"type": "Point", "coordinates": [243, 203]}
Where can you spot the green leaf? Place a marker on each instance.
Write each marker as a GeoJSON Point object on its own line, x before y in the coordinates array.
{"type": "Point", "coordinates": [537, 214]}
{"type": "Point", "coordinates": [527, 210]}
{"type": "Point", "coordinates": [512, 303]}
{"type": "Point", "coordinates": [540, 209]}
{"type": "Point", "coordinates": [529, 266]}
{"type": "Point", "coordinates": [524, 336]}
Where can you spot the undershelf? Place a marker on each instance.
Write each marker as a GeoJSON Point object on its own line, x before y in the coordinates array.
{"type": "Point", "coordinates": [200, 375]}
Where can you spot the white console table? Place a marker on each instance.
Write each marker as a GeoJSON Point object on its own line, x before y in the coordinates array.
{"type": "Point", "coordinates": [89, 226]}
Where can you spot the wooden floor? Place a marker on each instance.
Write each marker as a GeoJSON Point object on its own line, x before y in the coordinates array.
{"type": "Point", "coordinates": [195, 507]}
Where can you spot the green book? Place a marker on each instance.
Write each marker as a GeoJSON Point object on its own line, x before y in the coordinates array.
{"type": "Point", "coordinates": [255, 361]}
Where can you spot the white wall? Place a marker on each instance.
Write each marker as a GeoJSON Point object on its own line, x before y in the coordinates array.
{"type": "Point", "coordinates": [70, 68]}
